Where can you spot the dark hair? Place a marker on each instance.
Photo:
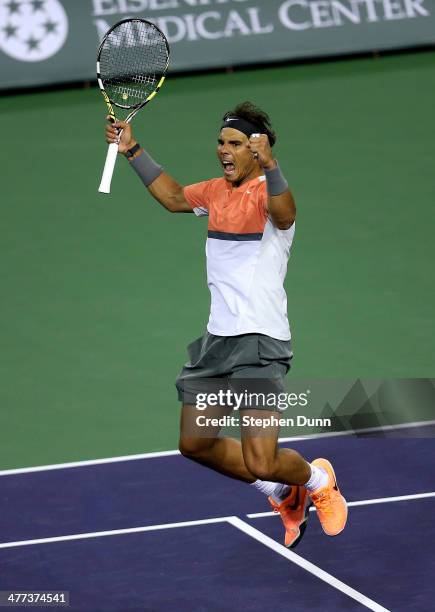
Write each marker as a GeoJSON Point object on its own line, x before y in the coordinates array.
{"type": "Point", "coordinates": [253, 114]}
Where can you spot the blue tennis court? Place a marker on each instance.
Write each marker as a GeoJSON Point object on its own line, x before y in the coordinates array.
{"type": "Point", "coordinates": [158, 532]}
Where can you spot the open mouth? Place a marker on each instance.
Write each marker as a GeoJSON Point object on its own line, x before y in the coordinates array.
{"type": "Point", "coordinates": [229, 168]}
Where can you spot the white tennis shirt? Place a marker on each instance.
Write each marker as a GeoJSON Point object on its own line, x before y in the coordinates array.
{"type": "Point", "coordinates": [246, 258]}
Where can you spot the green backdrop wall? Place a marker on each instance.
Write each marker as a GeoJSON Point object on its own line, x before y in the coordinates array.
{"type": "Point", "coordinates": [54, 41]}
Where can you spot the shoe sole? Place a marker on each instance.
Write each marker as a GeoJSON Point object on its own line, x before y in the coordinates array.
{"type": "Point", "coordinates": [303, 525]}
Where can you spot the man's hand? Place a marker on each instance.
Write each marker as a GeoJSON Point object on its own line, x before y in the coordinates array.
{"type": "Point", "coordinates": [262, 151]}
{"type": "Point", "coordinates": [112, 135]}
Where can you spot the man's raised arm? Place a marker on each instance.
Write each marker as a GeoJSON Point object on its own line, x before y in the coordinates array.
{"type": "Point", "coordinates": [281, 205]}
{"type": "Point", "coordinates": [161, 186]}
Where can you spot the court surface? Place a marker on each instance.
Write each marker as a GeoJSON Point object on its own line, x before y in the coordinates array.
{"type": "Point", "coordinates": [162, 533]}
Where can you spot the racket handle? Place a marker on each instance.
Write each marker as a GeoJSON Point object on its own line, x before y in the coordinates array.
{"type": "Point", "coordinates": [109, 166]}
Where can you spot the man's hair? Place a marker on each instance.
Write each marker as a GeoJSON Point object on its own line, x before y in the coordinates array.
{"type": "Point", "coordinates": [253, 114]}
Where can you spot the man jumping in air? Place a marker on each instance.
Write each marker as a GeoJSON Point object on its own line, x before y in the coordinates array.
{"type": "Point", "coordinates": [251, 214]}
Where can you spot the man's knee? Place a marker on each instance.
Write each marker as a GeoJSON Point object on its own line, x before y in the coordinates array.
{"type": "Point", "coordinates": [194, 448]}
{"type": "Point", "coordinates": [261, 467]}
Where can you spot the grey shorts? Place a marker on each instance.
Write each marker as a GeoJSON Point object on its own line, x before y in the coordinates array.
{"type": "Point", "coordinates": [251, 362]}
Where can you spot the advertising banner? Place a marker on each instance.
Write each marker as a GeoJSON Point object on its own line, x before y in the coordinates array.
{"type": "Point", "coordinates": [55, 41]}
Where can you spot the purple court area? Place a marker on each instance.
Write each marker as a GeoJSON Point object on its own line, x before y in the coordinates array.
{"type": "Point", "coordinates": [385, 553]}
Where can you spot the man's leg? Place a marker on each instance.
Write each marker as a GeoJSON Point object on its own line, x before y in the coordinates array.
{"type": "Point", "coordinates": [265, 459]}
{"type": "Point", "coordinates": [202, 445]}
{"type": "Point", "coordinates": [225, 455]}
{"type": "Point", "coordinates": [257, 457]}
{"type": "Point", "coordinates": [259, 460]}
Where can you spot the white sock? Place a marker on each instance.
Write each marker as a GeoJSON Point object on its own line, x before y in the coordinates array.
{"type": "Point", "coordinates": [318, 479]}
{"type": "Point", "coordinates": [276, 490]}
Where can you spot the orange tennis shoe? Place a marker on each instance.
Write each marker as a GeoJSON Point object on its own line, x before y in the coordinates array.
{"type": "Point", "coordinates": [294, 511]}
{"type": "Point", "coordinates": [330, 504]}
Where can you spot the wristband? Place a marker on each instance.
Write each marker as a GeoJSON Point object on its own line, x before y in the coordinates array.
{"type": "Point", "coordinates": [146, 168]}
{"type": "Point", "coordinates": [131, 152]}
{"type": "Point", "coordinates": [275, 181]}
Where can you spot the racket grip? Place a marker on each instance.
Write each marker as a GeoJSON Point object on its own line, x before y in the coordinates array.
{"type": "Point", "coordinates": [109, 166]}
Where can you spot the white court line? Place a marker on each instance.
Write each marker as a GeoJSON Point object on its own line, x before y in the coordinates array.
{"type": "Point", "coordinates": [362, 502]}
{"type": "Point", "coordinates": [364, 430]}
{"type": "Point", "coordinates": [221, 519]}
{"type": "Point", "coordinates": [306, 565]}
{"type": "Point", "coordinates": [169, 453]}
{"type": "Point", "coordinates": [114, 532]}
{"type": "Point", "coordinates": [75, 464]}
{"type": "Point", "coordinates": [232, 520]}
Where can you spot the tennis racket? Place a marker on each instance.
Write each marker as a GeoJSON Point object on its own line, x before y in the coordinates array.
{"type": "Point", "coordinates": [132, 62]}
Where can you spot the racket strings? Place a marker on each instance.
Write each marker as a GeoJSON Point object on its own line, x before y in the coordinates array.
{"type": "Point", "coordinates": [133, 59]}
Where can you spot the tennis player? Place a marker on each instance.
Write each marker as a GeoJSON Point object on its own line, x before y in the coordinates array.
{"type": "Point", "coordinates": [251, 214]}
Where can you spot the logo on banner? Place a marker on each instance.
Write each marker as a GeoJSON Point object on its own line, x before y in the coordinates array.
{"type": "Point", "coordinates": [32, 30]}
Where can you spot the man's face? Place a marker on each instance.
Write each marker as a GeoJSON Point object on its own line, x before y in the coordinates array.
{"type": "Point", "coordinates": [235, 156]}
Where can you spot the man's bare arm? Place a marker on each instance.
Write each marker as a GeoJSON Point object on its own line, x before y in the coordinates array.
{"type": "Point", "coordinates": [281, 207]}
{"type": "Point", "coordinates": [169, 194]}
{"type": "Point", "coordinates": [163, 187]}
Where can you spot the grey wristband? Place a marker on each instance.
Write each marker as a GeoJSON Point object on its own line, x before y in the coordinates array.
{"type": "Point", "coordinates": [275, 181]}
{"type": "Point", "coordinates": [146, 168]}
